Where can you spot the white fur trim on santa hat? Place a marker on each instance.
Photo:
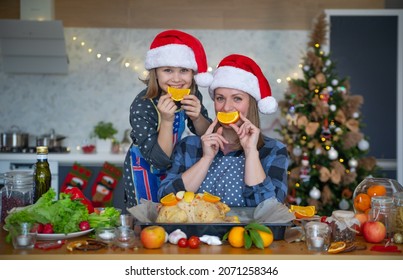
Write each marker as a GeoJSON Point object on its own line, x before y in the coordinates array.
{"type": "Point", "coordinates": [173, 55]}
{"type": "Point", "coordinates": [231, 77]}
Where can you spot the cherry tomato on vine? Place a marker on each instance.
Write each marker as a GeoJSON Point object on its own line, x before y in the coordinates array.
{"type": "Point", "coordinates": [183, 243]}
{"type": "Point", "coordinates": [194, 242]}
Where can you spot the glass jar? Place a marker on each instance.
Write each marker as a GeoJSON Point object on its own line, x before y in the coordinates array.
{"type": "Point", "coordinates": [398, 202]}
{"type": "Point", "coordinates": [343, 224]}
{"type": "Point", "coordinates": [383, 210]}
{"type": "Point", "coordinates": [18, 191]}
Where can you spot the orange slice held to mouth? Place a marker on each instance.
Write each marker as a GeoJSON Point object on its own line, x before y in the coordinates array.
{"type": "Point", "coordinates": [177, 94]}
{"type": "Point", "coordinates": [228, 117]}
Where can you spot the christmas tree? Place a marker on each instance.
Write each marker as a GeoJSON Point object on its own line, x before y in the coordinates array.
{"type": "Point", "coordinates": [321, 128]}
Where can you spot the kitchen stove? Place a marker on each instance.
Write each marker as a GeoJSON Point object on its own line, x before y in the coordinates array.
{"type": "Point", "coordinates": [32, 150]}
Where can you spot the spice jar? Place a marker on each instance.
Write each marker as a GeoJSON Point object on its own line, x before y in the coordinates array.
{"type": "Point", "coordinates": [343, 224]}
{"type": "Point", "coordinates": [383, 210]}
{"type": "Point", "coordinates": [398, 202]}
{"type": "Point", "coordinates": [18, 191]}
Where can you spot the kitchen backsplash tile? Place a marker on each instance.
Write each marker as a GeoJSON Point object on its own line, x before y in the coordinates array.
{"type": "Point", "coordinates": [96, 90]}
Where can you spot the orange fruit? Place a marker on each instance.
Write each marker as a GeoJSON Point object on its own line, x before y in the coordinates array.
{"type": "Point", "coordinates": [302, 212]}
{"type": "Point", "coordinates": [236, 237]}
{"type": "Point", "coordinates": [336, 247]}
{"type": "Point", "coordinates": [177, 94]}
{"type": "Point", "coordinates": [169, 200]}
{"type": "Point", "coordinates": [362, 202]}
{"type": "Point", "coordinates": [266, 237]}
{"type": "Point", "coordinates": [188, 196]}
{"type": "Point", "coordinates": [210, 198]}
{"type": "Point", "coordinates": [377, 190]}
{"type": "Point", "coordinates": [228, 118]}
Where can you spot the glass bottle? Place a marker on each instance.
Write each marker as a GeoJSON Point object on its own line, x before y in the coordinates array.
{"type": "Point", "coordinates": [42, 175]}
{"type": "Point", "coordinates": [17, 191]}
{"type": "Point", "coordinates": [398, 201]}
{"type": "Point", "coordinates": [383, 210]}
{"type": "Point", "coordinates": [343, 224]}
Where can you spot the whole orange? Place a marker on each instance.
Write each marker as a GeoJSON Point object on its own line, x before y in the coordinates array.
{"type": "Point", "coordinates": [236, 237]}
{"type": "Point", "coordinates": [266, 237]}
{"type": "Point", "coordinates": [152, 237]}
{"type": "Point", "coordinates": [362, 202]}
{"type": "Point", "coordinates": [377, 190]}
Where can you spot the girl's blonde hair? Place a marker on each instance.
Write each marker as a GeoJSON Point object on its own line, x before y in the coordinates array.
{"type": "Point", "coordinates": [153, 89]}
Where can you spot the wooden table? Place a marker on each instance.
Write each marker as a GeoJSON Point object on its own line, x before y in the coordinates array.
{"type": "Point", "coordinates": [278, 250]}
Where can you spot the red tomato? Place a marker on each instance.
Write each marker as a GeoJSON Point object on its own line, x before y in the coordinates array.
{"type": "Point", "coordinates": [183, 243]}
{"type": "Point", "coordinates": [194, 242]}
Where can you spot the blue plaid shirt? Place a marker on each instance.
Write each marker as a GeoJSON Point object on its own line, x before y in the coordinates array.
{"type": "Point", "coordinates": [273, 156]}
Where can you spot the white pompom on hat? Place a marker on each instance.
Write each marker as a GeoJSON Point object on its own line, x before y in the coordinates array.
{"type": "Point", "coordinates": [242, 73]}
{"type": "Point", "coordinates": [176, 48]}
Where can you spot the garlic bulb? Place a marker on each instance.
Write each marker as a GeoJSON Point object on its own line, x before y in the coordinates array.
{"type": "Point", "coordinates": [211, 240]}
{"type": "Point", "coordinates": [174, 236]}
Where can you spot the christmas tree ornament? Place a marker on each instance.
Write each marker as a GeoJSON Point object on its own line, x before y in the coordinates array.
{"type": "Point", "coordinates": [332, 154]}
{"type": "Point", "coordinates": [332, 107]}
{"type": "Point", "coordinates": [335, 82]}
{"type": "Point", "coordinates": [343, 205]}
{"type": "Point", "coordinates": [342, 89]}
{"type": "Point", "coordinates": [328, 62]}
{"type": "Point", "coordinates": [326, 134]}
{"type": "Point", "coordinates": [363, 145]}
{"type": "Point", "coordinates": [314, 193]}
{"type": "Point", "coordinates": [305, 168]}
{"type": "Point", "coordinates": [298, 200]}
{"type": "Point", "coordinates": [353, 163]}
{"type": "Point", "coordinates": [330, 89]}
{"type": "Point", "coordinates": [297, 151]}
{"type": "Point", "coordinates": [356, 115]}
{"type": "Point", "coordinates": [306, 68]}
{"type": "Point", "coordinates": [291, 116]}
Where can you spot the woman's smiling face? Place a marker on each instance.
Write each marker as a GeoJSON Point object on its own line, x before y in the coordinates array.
{"type": "Point", "coordinates": [229, 100]}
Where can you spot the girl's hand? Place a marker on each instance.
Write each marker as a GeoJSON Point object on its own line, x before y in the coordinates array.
{"type": "Point", "coordinates": [248, 134]}
{"type": "Point", "coordinates": [167, 107]}
{"type": "Point", "coordinates": [212, 142]}
{"type": "Point", "coordinates": [191, 105]}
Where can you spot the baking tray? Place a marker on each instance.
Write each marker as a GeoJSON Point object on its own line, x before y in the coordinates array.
{"type": "Point", "coordinates": [245, 215]}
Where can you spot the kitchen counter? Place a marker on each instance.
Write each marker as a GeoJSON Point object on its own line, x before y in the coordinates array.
{"type": "Point", "coordinates": [278, 250]}
{"type": "Point", "coordinates": [68, 158]}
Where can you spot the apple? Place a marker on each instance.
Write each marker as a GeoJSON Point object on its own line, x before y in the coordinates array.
{"type": "Point", "coordinates": [153, 237]}
{"type": "Point", "coordinates": [362, 218]}
{"type": "Point", "coordinates": [374, 231]}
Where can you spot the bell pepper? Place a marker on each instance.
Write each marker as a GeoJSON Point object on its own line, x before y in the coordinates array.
{"type": "Point", "coordinates": [77, 194]}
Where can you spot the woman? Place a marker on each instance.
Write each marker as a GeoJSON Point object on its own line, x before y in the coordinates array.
{"type": "Point", "coordinates": [235, 162]}
{"type": "Point", "coordinates": [175, 59]}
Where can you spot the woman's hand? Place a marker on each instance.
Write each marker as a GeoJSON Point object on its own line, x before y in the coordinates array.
{"type": "Point", "coordinates": [167, 107]}
{"type": "Point", "coordinates": [248, 134]}
{"type": "Point", "coordinates": [212, 142]}
{"type": "Point", "coordinates": [191, 105]}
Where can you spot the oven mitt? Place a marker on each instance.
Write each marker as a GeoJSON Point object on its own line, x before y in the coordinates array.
{"type": "Point", "coordinates": [77, 177]}
{"type": "Point", "coordinates": [104, 185]}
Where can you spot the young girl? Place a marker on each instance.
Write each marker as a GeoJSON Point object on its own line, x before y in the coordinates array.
{"type": "Point", "coordinates": [175, 59]}
{"type": "Point", "coordinates": [235, 162]}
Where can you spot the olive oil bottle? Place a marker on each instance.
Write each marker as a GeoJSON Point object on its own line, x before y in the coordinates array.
{"type": "Point", "coordinates": [42, 175]}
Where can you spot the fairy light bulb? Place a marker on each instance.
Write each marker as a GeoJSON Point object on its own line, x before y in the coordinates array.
{"type": "Point", "coordinates": [99, 55]}
{"type": "Point", "coordinates": [127, 64]}
{"type": "Point", "coordinates": [108, 59]}
{"type": "Point", "coordinates": [279, 81]}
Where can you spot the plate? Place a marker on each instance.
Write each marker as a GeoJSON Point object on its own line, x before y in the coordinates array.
{"type": "Point", "coordinates": [60, 236]}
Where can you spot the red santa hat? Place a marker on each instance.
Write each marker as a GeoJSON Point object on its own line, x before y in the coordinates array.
{"type": "Point", "coordinates": [242, 73]}
{"type": "Point", "coordinates": [178, 49]}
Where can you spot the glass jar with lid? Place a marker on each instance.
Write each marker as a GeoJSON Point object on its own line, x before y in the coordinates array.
{"type": "Point", "coordinates": [343, 224]}
{"type": "Point", "coordinates": [18, 191]}
{"type": "Point", "coordinates": [398, 202]}
{"type": "Point", "coordinates": [383, 210]}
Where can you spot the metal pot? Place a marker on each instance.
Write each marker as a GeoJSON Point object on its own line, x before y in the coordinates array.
{"type": "Point", "coordinates": [51, 140]}
{"type": "Point", "coordinates": [14, 138]}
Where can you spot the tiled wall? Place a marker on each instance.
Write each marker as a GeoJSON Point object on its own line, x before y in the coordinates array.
{"type": "Point", "coordinates": [96, 90]}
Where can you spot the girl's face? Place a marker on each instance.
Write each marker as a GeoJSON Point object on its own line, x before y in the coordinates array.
{"type": "Point", "coordinates": [176, 77]}
{"type": "Point", "coordinates": [229, 100]}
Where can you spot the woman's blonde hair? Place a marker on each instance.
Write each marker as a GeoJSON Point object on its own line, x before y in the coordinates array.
{"type": "Point", "coordinates": [153, 89]}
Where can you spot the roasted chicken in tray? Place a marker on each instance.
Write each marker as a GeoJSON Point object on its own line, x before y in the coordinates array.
{"type": "Point", "coordinates": [187, 207]}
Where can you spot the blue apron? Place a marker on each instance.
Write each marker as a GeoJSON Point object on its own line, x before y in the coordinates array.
{"type": "Point", "coordinates": [146, 178]}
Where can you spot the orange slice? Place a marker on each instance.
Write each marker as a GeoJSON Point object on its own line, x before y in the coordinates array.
{"type": "Point", "coordinates": [75, 244]}
{"type": "Point", "coordinates": [178, 93]}
{"type": "Point", "coordinates": [210, 198]}
{"type": "Point", "coordinates": [228, 118]}
{"type": "Point", "coordinates": [188, 196]}
{"type": "Point", "coordinates": [336, 247]}
{"type": "Point", "coordinates": [169, 200]}
{"type": "Point", "coordinates": [302, 212]}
